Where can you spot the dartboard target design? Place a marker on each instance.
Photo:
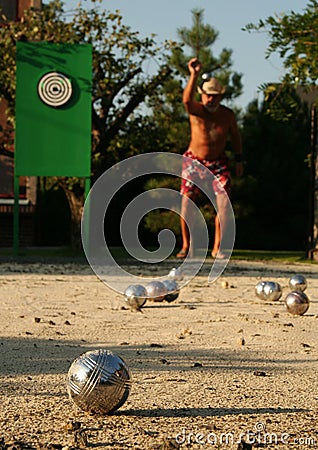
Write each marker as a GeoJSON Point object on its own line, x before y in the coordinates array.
{"type": "Point", "coordinates": [55, 89]}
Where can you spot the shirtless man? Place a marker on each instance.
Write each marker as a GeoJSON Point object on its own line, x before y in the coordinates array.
{"type": "Point", "coordinates": [211, 123]}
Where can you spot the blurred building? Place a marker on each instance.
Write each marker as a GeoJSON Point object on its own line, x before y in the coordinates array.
{"type": "Point", "coordinates": [14, 9]}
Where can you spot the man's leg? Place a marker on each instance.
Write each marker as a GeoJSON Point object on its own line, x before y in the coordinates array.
{"type": "Point", "coordinates": [221, 221]}
{"type": "Point", "coordinates": [185, 223]}
{"type": "Point", "coordinates": [217, 236]}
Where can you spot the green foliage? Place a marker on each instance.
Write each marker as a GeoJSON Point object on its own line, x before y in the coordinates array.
{"type": "Point", "coordinates": [283, 257]}
{"type": "Point", "coordinates": [282, 101]}
{"type": "Point", "coordinates": [199, 38]}
{"type": "Point", "coordinates": [275, 199]}
{"type": "Point", "coordinates": [156, 221]}
{"type": "Point", "coordinates": [294, 37]}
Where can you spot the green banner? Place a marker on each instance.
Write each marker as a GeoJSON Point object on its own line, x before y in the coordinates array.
{"type": "Point", "coordinates": [53, 109]}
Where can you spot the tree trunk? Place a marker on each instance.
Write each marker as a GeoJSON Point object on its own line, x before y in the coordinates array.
{"type": "Point", "coordinates": [76, 203]}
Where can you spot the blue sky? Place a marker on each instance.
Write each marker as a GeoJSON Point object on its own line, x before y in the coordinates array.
{"type": "Point", "coordinates": [228, 17]}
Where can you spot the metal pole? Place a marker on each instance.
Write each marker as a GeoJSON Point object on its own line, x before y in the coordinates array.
{"type": "Point", "coordinates": [86, 218]}
{"type": "Point", "coordinates": [313, 181]}
{"type": "Point", "coordinates": [16, 216]}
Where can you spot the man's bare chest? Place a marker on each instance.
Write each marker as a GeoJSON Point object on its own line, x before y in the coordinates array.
{"type": "Point", "coordinates": [213, 129]}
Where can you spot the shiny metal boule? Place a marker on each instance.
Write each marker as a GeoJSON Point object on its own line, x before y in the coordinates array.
{"type": "Point", "coordinates": [135, 295]}
{"type": "Point", "coordinates": [298, 283]}
{"type": "Point", "coordinates": [176, 274]}
{"type": "Point", "coordinates": [259, 290]}
{"type": "Point", "coordinates": [99, 382]}
{"type": "Point", "coordinates": [156, 291]}
{"type": "Point", "coordinates": [173, 290]}
{"type": "Point", "coordinates": [268, 290]}
{"type": "Point", "coordinates": [297, 303]}
{"type": "Point", "coordinates": [272, 291]}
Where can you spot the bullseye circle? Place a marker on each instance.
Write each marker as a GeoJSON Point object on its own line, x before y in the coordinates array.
{"type": "Point", "coordinates": [55, 89]}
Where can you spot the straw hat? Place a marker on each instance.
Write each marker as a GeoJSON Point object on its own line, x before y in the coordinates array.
{"type": "Point", "coordinates": [211, 87]}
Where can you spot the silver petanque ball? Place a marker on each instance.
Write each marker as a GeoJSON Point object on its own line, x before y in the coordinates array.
{"type": "Point", "coordinates": [272, 291]}
{"type": "Point", "coordinates": [173, 290]}
{"type": "Point", "coordinates": [176, 274]}
{"type": "Point", "coordinates": [135, 295]}
{"type": "Point", "coordinates": [268, 290]}
{"type": "Point", "coordinates": [297, 303]}
{"type": "Point", "coordinates": [99, 382]}
{"type": "Point", "coordinates": [298, 283]}
{"type": "Point", "coordinates": [259, 289]}
{"type": "Point", "coordinates": [156, 291]}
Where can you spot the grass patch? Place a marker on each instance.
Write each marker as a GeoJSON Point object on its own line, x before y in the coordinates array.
{"type": "Point", "coordinates": [248, 255]}
{"type": "Point", "coordinates": [120, 253]}
{"type": "Point", "coordinates": [268, 255]}
{"type": "Point", "coordinates": [43, 252]}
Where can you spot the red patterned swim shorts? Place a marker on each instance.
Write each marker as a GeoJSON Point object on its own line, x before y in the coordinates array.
{"type": "Point", "coordinates": [193, 173]}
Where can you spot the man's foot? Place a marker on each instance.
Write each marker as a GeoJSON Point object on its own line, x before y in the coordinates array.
{"type": "Point", "coordinates": [217, 255]}
{"type": "Point", "coordinates": [182, 254]}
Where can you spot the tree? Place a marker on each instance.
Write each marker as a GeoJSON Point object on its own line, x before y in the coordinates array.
{"type": "Point", "coordinates": [275, 186]}
{"type": "Point", "coordinates": [119, 84]}
{"type": "Point", "coordinates": [294, 37]}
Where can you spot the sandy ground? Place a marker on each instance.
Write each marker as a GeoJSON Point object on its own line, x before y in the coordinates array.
{"type": "Point", "coordinates": [217, 368]}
